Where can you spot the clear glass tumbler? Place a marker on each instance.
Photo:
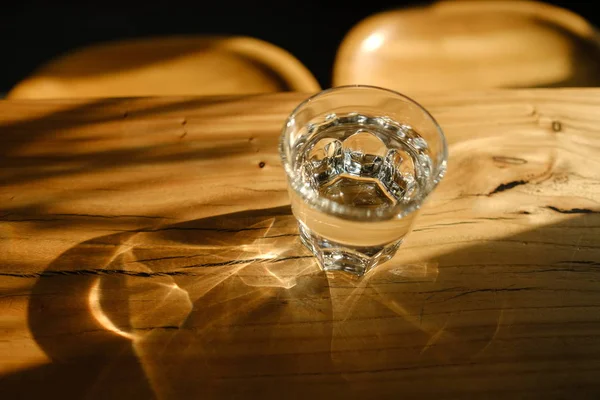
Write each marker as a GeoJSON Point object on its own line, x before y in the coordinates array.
{"type": "Point", "coordinates": [360, 161]}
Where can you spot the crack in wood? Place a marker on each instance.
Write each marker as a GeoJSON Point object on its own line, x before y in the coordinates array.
{"type": "Point", "coordinates": [535, 271]}
{"type": "Point", "coordinates": [181, 228]}
{"type": "Point", "coordinates": [277, 260]}
{"type": "Point", "coordinates": [41, 219]}
{"type": "Point", "coordinates": [573, 210]}
{"type": "Point", "coordinates": [490, 290]}
{"type": "Point", "coordinates": [93, 272]}
{"type": "Point", "coordinates": [507, 186]}
{"type": "Point", "coordinates": [248, 261]}
{"type": "Point", "coordinates": [150, 328]}
{"type": "Point", "coordinates": [164, 258]}
{"type": "Point", "coordinates": [142, 274]}
{"type": "Point", "coordinates": [495, 218]}
{"type": "Point", "coordinates": [278, 236]}
{"type": "Point", "coordinates": [110, 216]}
{"type": "Point", "coordinates": [452, 224]}
{"type": "Point", "coordinates": [261, 190]}
{"type": "Point", "coordinates": [554, 244]}
{"type": "Point", "coordinates": [580, 262]}
{"type": "Point", "coordinates": [31, 219]}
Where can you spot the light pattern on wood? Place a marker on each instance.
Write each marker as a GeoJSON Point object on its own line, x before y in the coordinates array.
{"type": "Point", "coordinates": [147, 250]}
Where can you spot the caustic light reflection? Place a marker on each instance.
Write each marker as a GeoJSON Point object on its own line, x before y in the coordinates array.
{"type": "Point", "coordinates": [100, 316]}
{"type": "Point", "coordinates": [143, 307]}
{"type": "Point", "coordinates": [279, 272]}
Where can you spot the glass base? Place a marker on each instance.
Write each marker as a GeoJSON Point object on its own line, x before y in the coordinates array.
{"type": "Point", "coordinates": [334, 256]}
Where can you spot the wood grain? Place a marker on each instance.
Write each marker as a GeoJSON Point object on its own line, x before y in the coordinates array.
{"type": "Point", "coordinates": [458, 45]}
{"type": "Point", "coordinates": [168, 66]}
{"type": "Point", "coordinates": [147, 250]}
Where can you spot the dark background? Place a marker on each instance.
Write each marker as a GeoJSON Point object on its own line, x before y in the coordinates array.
{"type": "Point", "coordinates": [33, 31]}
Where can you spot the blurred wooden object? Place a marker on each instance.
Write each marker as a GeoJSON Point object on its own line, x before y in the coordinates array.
{"type": "Point", "coordinates": [169, 66]}
{"type": "Point", "coordinates": [468, 45]}
{"type": "Point", "coordinates": [147, 250]}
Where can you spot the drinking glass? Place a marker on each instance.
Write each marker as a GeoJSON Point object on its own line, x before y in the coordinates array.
{"type": "Point", "coordinates": [360, 161]}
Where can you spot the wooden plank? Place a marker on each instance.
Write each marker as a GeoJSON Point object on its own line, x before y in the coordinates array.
{"type": "Point", "coordinates": [147, 249]}
{"type": "Point", "coordinates": [197, 65]}
{"type": "Point", "coordinates": [456, 45]}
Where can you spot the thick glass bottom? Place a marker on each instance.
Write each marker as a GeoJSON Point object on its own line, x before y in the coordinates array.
{"type": "Point", "coordinates": [334, 256]}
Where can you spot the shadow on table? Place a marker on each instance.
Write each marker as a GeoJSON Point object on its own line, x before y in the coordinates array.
{"type": "Point", "coordinates": [17, 135]}
{"type": "Point", "coordinates": [232, 305]}
{"type": "Point", "coordinates": [61, 153]}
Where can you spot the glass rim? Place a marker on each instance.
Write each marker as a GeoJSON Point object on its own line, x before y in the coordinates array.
{"type": "Point", "coordinates": [349, 212]}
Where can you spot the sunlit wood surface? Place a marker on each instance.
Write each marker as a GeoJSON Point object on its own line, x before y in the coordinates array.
{"type": "Point", "coordinates": [458, 45]}
{"type": "Point", "coordinates": [147, 251]}
{"type": "Point", "coordinates": [168, 66]}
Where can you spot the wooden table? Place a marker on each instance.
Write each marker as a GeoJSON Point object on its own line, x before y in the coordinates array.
{"type": "Point", "coordinates": [147, 250]}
